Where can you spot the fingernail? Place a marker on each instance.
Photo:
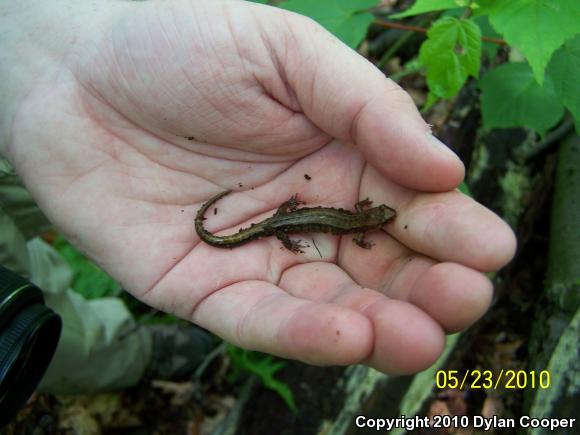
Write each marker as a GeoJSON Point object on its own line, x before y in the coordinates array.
{"type": "Point", "coordinates": [441, 146]}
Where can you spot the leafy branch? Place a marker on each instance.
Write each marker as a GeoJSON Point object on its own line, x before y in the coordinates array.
{"type": "Point", "coordinates": [532, 94]}
{"type": "Point", "coordinates": [394, 25]}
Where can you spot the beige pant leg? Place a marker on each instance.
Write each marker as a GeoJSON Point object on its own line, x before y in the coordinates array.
{"type": "Point", "coordinates": [101, 347]}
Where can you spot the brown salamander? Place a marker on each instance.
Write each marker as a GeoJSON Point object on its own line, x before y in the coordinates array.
{"type": "Point", "coordinates": [290, 219]}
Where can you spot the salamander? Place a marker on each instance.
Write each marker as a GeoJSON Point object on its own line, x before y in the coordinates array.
{"type": "Point", "coordinates": [290, 219]}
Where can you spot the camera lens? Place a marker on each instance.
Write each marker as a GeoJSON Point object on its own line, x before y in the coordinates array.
{"type": "Point", "coordinates": [29, 333]}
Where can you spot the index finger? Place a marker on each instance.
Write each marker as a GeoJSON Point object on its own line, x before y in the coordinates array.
{"type": "Point", "coordinates": [448, 226]}
{"type": "Point", "coordinates": [350, 99]}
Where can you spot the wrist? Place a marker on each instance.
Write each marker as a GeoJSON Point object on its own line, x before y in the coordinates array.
{"type": "Point", "coordinates": [36, 37]}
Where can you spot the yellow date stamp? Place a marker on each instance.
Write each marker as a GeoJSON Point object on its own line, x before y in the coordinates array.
{"type": "Point", "coordinates": [492, 380]}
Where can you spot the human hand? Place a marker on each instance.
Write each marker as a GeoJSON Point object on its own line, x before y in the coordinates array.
{"type": "Point", "coordinates": [144, 110]}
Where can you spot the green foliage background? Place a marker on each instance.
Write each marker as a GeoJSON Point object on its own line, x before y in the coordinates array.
{"type": "Point", "coordinates": [534, 90]}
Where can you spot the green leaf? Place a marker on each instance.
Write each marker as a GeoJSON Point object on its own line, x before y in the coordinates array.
{"type": "Point", "coordinates": [464, 188]}
{"type": "Point", "coordinates": [450, 54]}
{"type": "Point", "coordinates": [265, 367]}
{"type": "Point", "coordinates": [88, 279]}
{"type": "Point", "coordinates": [537, 28]}
{"type": "Point", "coordinates": [511, 97]}
{"type": "Point", "coordinates": [346, 19]}
{"type": "Point", "coordinates": [486, 30]}
{"type": "Point", "coordinates": [564, 71]}
{"type": "Point", "coordinates": [422, 6]}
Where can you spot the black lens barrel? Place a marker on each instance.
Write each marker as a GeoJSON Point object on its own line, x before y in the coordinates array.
{"type": "Point", "coordinates": [29, 333]}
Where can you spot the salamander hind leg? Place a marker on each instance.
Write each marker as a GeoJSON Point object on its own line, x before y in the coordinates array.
{"type": "Point", "coordinates": [292, 245]}
{"type": "Point", "coordinates": [360, 241]}
{"type": "Point", "coordinates": [290, 205]}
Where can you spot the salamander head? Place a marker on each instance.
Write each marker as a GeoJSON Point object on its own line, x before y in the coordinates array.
{"type": "Point", "coordinates": [378, 216]}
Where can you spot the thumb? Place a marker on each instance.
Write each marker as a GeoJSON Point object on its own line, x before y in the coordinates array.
{"type": "Point", "coordinates": [350, 99]}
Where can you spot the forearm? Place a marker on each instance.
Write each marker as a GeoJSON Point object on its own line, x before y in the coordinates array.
{"type": "Point", "coordinates": [35, 37]}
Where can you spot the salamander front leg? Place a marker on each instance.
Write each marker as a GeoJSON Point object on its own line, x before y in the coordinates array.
{"type": "Point", "coordinates": [293, 246]}
{"type": "Point", "coordinates": [360, 241]}
{"type": "Point", "coordinates": [361, 205]}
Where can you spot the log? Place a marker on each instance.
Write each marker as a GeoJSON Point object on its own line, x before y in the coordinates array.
{"type": "Point", "coordinates": [556, 330]}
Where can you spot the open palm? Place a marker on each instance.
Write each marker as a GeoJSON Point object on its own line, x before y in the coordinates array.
{"type": "Point", "coordinates": [160, 105]}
